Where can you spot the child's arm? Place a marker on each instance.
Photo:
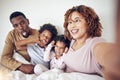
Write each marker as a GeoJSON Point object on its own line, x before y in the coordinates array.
{"type": "Point", "coordinates": [48, 51]}
{"type": "Point", "coordinates": [22, 44]}
{"type": "Point", "coordinates": [61, 65]}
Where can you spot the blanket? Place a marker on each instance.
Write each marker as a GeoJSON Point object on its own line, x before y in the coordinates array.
{"type": "Point", "coordinates": [54, 74]}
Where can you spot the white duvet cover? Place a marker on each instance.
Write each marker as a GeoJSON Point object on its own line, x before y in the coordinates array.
{"type": "Point", "coordinates": [53, 74]}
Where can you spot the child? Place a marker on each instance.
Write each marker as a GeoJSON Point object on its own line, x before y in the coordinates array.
{"type": "Point", "coordinates": [54, 53]}
{"type": "Point", "coordinates": [36, 52]}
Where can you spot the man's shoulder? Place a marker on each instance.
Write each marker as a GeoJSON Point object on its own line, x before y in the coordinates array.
{"type": "Point", "coordinates": [35, 32]}
{"type": "Point", "coordinates": [11, 33]}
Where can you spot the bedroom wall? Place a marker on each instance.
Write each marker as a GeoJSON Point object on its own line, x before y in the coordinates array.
{"type": "Point", "coordinates": [52, 11]}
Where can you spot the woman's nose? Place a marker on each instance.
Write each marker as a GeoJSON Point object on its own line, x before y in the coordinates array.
{"type": "Point", "coordinates": [72, 24]}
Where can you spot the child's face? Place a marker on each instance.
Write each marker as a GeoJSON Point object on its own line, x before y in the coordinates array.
{"type": "Point", "coordinates": [44, 38]}
{"type": "Point", "coordinates": [59, 48]}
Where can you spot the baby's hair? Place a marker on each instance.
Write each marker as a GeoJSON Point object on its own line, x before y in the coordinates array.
{"type": "Point", "coordinates": [64, 39]}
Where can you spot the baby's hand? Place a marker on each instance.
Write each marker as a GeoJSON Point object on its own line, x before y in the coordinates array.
{"type": "Point", "coordinates": [66, 50]}
{"type": "Point", "coordinates": [51, 43]}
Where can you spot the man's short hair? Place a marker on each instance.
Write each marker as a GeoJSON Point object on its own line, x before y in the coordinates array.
{"type": "Point", "coordinates": [15, 14]}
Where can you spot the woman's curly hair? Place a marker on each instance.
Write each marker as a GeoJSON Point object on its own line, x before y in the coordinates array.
{"type": "Point", "coordinates": [94, 27]}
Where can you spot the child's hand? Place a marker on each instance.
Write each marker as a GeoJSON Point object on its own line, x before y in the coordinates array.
{"type": "Point", "coordinates": [66, 50]}
{"type": "Point", "coordinates": [52, 43]}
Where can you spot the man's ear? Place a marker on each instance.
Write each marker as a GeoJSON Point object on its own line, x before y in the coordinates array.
{"type": "Point", "coordinates": [28, 21]}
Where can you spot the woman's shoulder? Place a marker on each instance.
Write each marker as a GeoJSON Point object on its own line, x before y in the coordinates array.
{"type": "Point", "coordinates": [97, 39]}
{"type": "Point", "coordinates": [92, 42]}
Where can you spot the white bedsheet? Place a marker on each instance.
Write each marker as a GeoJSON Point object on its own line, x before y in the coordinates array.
{"type": "Point", "coordinates": [53, 74]}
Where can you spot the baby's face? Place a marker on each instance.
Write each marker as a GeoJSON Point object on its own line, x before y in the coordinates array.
{"type": "Point", "coordinates": [59, 48]}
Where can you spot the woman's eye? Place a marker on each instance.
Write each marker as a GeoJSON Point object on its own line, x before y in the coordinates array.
{"type": "Point", "coordinates": [69, 22]}
{"type": "Point", "coordinates": [77, 20]}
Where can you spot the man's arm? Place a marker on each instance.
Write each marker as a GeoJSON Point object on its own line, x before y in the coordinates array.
{"type": "Point", "coordinates": [26, 68]}
{"type": "Point", "coordinates": [8, 52]}
{"type": "Point", "coordinates": [7, 57]}
{"type": "Point", "coordinates": [8, 61]}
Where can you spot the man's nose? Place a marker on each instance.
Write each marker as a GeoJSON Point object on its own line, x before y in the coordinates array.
{"type": "Point", "coordinates": [20, 26]}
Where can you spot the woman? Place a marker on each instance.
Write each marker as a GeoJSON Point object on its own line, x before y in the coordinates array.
{"type": "Point", "coordinates": [114, 73]}
{"type": "Point", "coordinates": [88, 51]}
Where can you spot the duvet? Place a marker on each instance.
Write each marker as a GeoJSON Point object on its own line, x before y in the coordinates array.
{"type": "Point", "coordinates": [54, 74]}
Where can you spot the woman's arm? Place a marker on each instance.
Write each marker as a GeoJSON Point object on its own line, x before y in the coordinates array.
{"type": "Point", "coordinates": [104, 52]}
{"type": "Point", "coordinates": [108, 56]}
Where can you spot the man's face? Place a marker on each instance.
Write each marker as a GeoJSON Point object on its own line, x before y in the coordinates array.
{"type": "Point", "coordinates": [20, 24]}
{"type": "Point", "coordinates": [44, 38]}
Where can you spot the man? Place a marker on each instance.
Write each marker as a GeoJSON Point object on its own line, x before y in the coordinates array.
{"type": "Point", "coordinates": [21, 34]}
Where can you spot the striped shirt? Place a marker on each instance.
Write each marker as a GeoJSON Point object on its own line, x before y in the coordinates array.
{"type": "Point", "coordinates": [36, 54]}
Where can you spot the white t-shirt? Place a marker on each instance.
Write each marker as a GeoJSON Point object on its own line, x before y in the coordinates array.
{"type": "Point", "coordinates": [83, 60]}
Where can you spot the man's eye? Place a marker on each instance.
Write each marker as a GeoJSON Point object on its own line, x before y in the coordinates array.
{"type": "Point", "coordinates": [22, 22]}
{"type": "Point", "coordinates": [15, 25]}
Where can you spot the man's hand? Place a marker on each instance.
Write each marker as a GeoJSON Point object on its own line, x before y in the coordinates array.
{"type": "Point", "coordinates": [27, 68]}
